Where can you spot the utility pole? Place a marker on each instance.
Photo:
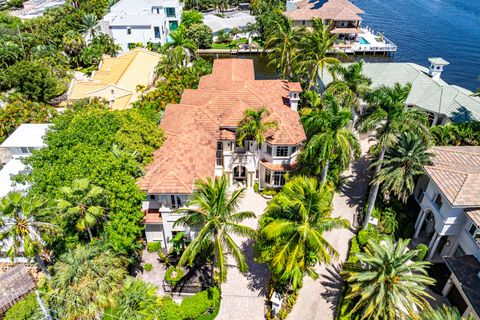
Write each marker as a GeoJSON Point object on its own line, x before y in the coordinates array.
{"type": "Point", "coordinates": [42, 306]}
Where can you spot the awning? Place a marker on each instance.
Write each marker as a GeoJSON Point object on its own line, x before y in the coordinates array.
{"type": "Point", "coordinates": [346, 31]}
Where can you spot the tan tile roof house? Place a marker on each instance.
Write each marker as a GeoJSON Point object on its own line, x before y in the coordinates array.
{"type": "Point", "coordinates": [117, 78]}
{"type": "Point", "coordinates": [209, 114]}
{"type": "Point", "coordinates": [334, 10]}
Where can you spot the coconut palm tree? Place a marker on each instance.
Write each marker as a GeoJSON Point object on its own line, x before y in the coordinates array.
{"type": "Point", "coordinates": [402, 164]}
{"type": "Point", "coordinates": [235, 32]}
{"type": "Point", "coordinates": [318, 51]}
{"type": "Point", "coordinates": [388, 117]}
{"type": "Point", "coordinates": [291, 230]}
{"type": "Point", "coordinates": [442, 313]}
{"type": "Point", "coordinates": [251, 28]}
{"type": "Point", "coordinates": [282, 42]}
{"type": "Point", "coordinates": [213, 209]}
{"type": "Point", "coordinates": [349, 83]}
{"type": "Point", "coordinates": [85, 281]}
{"type": "Point", "coordinates": [19, 231]}
{"type": "Point", "coordinates": [137, 300]}
{"type": "Point", "coordinates": [387, 283]}
{"type": "Point", "coordinates": [254, 127]}
{"type": "Point", "coordinates": [329, 138]}
{"type": "Point", "coordinates": [89, 25]}
{"type": "Point", "coordinates": [82, 202]}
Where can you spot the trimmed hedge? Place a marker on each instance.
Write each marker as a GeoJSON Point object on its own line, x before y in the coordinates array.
{"type": "Point", "coordinates": [169, 275]}
{"type": "Point", "coordinates": [201, 306]}
{"type": "Point", "coordinates": [154, 246]}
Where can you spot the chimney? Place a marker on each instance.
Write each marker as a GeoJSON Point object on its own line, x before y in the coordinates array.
{"type": "Point", "coordinates": [436, 67]}
{"type": "Point", "coordinates": [294, 94]}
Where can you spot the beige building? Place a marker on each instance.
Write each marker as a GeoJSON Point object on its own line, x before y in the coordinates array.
{"type": "Point", "coordinates": [117, 79]}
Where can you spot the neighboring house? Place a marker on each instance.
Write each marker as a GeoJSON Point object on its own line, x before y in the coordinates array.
{"type": "Point", "coordinates": [142, 21]}
{"type": "Point", "coordinates": [21, 143]}
{"type": "Point", "coordinates": [227, 23]}
{"type": "Point", "coordinates": [117, 79]}
{"type": "Point", "coordinates": [201, 141]}
{"type": "Point", "coordinates": [449, 221]}
{"type": "Point", "coordinates": [14, 284]}
{"type": "Point", "coordinates": [443, 102]}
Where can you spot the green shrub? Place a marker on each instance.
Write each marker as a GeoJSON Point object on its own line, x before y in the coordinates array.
{"type": "Point", "coordinates": [408, 230]}
{"type": "Point", "coordinates": [354, 248]}
{"type": "Point", "coordinates": [169, 309]}
{"type": "Point", "coordinates": [24, 309]}
{"type": "Point", "coordinates": [422, 252]}
{"type": "Point", "coordinates": [367, 234]}
{"type": "Point", "coordinates": [173, 275]}
{"type": "Point", "coordinates": [154, 246]}
{"type": "Point", "coordinates": [269, 192]}
{"type": "Point", "coordinates": [148, 267]}
{"type": "Point", "coordinates": [255, 187]}
{"type": "Point", "coordinates": [201, 306]}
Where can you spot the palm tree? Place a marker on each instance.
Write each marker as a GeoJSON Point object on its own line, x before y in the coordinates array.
{"type": "Point", "coordinates": [137, 300]}
{"type": "Point", "coordinates": [213, 209]}
{"type": "Point", "coordinates": [387, 283]}
{"type": "Point", "coordinates": [83, 203]}
{"type": "Point", "coordinates": [292, 230]}
{"type": "Point", "coordinates": [253, 126]}
{"type": "Point", "coordinates": [282, 42]}
{"type": "Point", "coordinates": [89, 25]}
{"type": "Point", "coordinates": [389, 117]}
{"type": "Point", "coordinates": [329, 138]}
{"type": "Point", "coordinates": [86, 281]}
{"type": "Point", "coordinates": [235, 32]}
{"type": "Point", "coordinates": [442, 313]}
{"type": "Point", "coordinates": [402, 164]}
{"type": "Point", "coordinates": [19, 232]}
{"type": "Point", "coordinates": [251, 28]}
{"type": "Point", "coordinates": [318, 48]}
{"type": "Point", "coordinates": [349, 83]}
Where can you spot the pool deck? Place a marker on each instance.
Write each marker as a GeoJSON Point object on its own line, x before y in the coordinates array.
{"type": "Point", "coordinates": [377, 43]}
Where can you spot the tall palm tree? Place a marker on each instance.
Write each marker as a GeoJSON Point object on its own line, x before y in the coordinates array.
{"type": "Point", "coordinates": [251, 28]}
{"type": "Point", "coordinates": [213, 209]}
{"type": "Point", "coordinates": [282, 44]}
{"type": "Point", "coordinates": [85, 282]}
{"type": "Point", "coordinates": [318, 51]}
{"type": "Point", "coordinates": [387, 283]}
{"type": "Point", "coordinates": [89, 25]}
{"type": "Point", "coordinates": [83, 203]}
{"type": "Point", "coordinates": [329, 138]}
{"type": "Point", "coordinates": [19, 231]}
{"type": "Point", "coordinates": [388, 118]}
{"type": "Point", "coordinates": [253, 126]}
{"type": "Point", "coordinates": [291, 230]}
{"type": "Point", "coordinates": [137, 300]}
{"type": "Point", "coordinates": [349, 83]}
{"type": "Point", "coordinates": [402, 164]}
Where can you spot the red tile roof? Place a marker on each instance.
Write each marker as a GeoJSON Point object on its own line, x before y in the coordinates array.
{"type": "Point", "coordinates": [336, 10]}
{"type": "Point", "coordinates": [210, 113]}
{"type": "Point", "coordinates": [278, 166]}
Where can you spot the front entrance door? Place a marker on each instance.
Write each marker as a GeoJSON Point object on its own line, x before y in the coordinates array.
{"type": "Point", "coordinates": [240, 174]}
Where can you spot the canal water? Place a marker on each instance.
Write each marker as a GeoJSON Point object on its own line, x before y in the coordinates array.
{"type": "Point", "coordinates": [422, 29]}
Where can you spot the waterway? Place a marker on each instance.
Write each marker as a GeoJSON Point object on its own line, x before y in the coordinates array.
{"type": "Point", "coordinates": [422, 29]}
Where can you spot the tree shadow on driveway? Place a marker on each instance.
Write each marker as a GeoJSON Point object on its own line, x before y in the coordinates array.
{"type": "Point", "coordinates": [257, 273]}
{"type": "Point", "coordinates": [332, 281]}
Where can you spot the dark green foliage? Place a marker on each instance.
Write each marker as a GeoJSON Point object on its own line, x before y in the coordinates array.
{"type": "Point", "coordinates": [108, 148]}
{"type": "Point", "coordinates": [173, 275]}
{"type": "Point", "coordinates": [354, 249]}
{"type": "Point", "coordinates": [201, 305]}
{"type": "Point", "coordinates": [408, 230]}
{"type": "Point", "coordinates": [422, 251]}
{"type": "Point", "coordinates": [154, 246]}
{"type": "Point", "coordinates": [25, 309]}
{"type": "Point", "coordinates": [457, 134]}
{"type": "Point", "coordinates": [200, 34]}
{"type": "Point", "coordinates": [169, 310]}
{"type": "Point", "coordinates": [368, 234]}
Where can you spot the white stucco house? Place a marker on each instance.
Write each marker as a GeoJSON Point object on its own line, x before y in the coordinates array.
{"type": "Point", "coordinates": [201, 142]}
{"type": "Point", "coordinates": [20, 144]}
{"type": "Point", "coordinates": [141, 21]}
{"type": "Point", "coordinates": [449, 221]}
{"type": "Point", "coordinates": [443, 102]}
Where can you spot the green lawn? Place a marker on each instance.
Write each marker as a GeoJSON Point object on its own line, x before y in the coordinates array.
{"type": "Point", "coordinates": [227, 45]}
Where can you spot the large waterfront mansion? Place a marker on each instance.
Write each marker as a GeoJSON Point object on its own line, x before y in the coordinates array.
{"type": "Point", "coordinates": [201, 141]}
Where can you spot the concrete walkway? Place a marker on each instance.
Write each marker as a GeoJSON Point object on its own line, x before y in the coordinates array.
{"type": "Point", "coordinates": [243, 295]}
{"type": "Point", "coordinates": [318, 299]}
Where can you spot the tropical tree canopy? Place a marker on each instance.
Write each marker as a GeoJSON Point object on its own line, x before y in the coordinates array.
{"type": "Point", "coordinates": [387, 283]}
{"type": "Point", "coordinates": [213, 210]}
{"type": "Point", "coordinates": [291, 230]}
{"type": "Point", "coordinates": [402, 165]}
{"type": "Point", "coordinates": [253, 126]}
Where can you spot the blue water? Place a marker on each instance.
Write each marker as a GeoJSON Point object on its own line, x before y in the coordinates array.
{"type": "Point", "coordinates": [431, 28]}
{"type": "Point", "coordinates": [363, 41]}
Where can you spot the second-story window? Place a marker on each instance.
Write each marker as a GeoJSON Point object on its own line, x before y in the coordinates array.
{"type": "Point", "coordinates": [156, 31]}
{"type": "Point", "coordinates": [294, 149]}
{"type": "Point", "coordinates": [269, 150]}
{"type": "Point", "coordinates": [475, 232]}
{"type": "Point", "coordinates": [170, 12]}
{"type": "Point", "coordinates": [282, 151]}
{"type": "Point", "coordinates": [438, 201]}
{"type": "Point", "coordinates": [219, 154]}
{"type": "Point", "coordinates": [176, 201]}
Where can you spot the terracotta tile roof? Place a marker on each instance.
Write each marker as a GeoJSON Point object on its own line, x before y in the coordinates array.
{"type": "Point", "coordinates": [456, 172]}
{"type": "Point", "coordinates": [211, 113]}
{"type": "Point", "coordinates": [474, 215]}
{"type": "Point", "coordinates": [336, 10]}
{"type": "Point", "coordinates": [278, 166]}
{"type": "Point", "coordinates": [152, 217]}
{"type": "Point", "coordinates": [295, 86]}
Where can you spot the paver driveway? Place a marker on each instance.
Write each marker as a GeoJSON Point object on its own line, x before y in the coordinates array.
{"type": "Point", "coordinates": [318, 299]}
{"type": "Point", "coordinates": [243, 295]}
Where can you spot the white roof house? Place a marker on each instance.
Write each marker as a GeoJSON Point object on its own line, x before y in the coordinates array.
{"type": "Point", "coordinates": [429, 92]}
{"type": "Point", "coordinates": [235, 20]}
{"type": "Point", "coordinates": [21, 143]}
{"type": "Point", "coordinates": [141, 21]}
